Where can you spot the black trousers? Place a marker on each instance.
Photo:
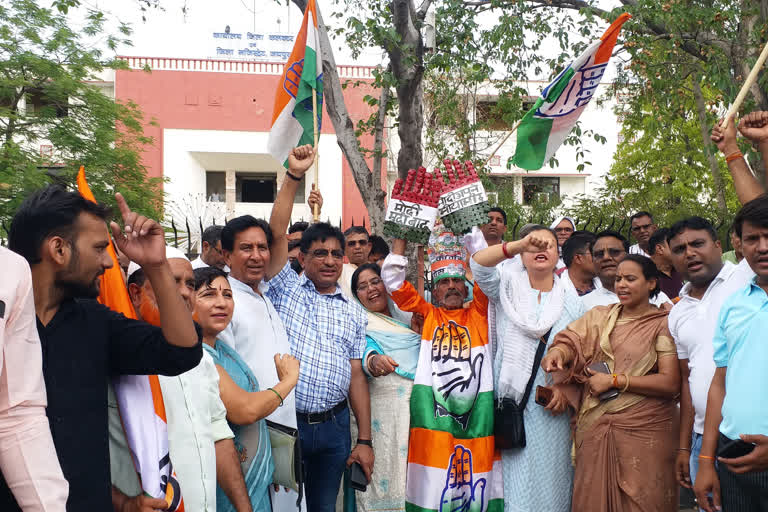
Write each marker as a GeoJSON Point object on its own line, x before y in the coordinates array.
{"type": "Point", "coordinates": [746, 492]}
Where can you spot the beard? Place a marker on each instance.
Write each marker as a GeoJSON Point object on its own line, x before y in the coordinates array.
{"type": "Point", "coordinates": [76, 288]}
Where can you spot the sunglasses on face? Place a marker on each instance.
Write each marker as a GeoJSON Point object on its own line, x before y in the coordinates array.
{"type": "Point", "coordinates": [613, 253]}
{"type": "Point", "coordinates": [323, 253]}
{"type": "Point", "coordinates": [354, 243]}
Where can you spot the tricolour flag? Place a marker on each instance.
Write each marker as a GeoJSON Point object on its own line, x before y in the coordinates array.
{"type": "Point", "coordinates": [139, 397]}
{"type": "Point", "coordinates": [544, 128]}
{"type": "Point", "coordinates": [292, 123]}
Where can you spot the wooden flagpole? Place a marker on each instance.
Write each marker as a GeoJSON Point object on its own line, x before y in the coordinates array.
{"type": "Point", "coordinates": [751, 78]}
{"type": "Point", "coordinates": [506, 137]}
{"type": "Point", "coordinates": [316, 212]}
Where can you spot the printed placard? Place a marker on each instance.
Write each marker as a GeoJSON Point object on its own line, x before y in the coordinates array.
{"type": "Point", "coordinates": [411, 215]}
{"type": "Point", "coordinates": [462, 197]}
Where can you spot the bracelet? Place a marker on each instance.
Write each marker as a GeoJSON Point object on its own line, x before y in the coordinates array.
{"type": "Point", "coordinates": [278, 395]}
{"type": "Point", "coordinates": [682, 449]}
{"type": "Point", "coordinates": [562, 351]}
{"type": "Point", "coordinates": [615, 380]}
{"type": "Point", "coordinates": [366, 442]}
{"type": "Point", "coordinates": [706, 457]}
{"type": "Point", "coordinates": [504, 250]}
{"type": "Point", "coordinates": [626, 385]}
{"type": "Point", "coordinates": [293, 177]}
{"type": "Point", "coordinates": [733, 156]}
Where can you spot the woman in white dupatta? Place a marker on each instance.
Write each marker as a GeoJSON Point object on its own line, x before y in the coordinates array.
{"type": "Point", "coordinates": [534, 302]}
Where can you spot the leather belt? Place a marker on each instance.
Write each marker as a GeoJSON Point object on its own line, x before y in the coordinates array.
{"type": "Point", "coordinates": [314, 418]}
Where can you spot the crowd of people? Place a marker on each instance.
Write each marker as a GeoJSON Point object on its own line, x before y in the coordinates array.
{"type": "Point", "coordinates": [564, 370]}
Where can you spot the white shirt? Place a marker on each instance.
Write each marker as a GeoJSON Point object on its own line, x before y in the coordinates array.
{"type": "Point", "coordinates": [196, 420]}
{"type": "Point", "coordinates": [635, 249]}
{"type": "Point", "coordinates": [692, 323]}
{"type": "Point", "coordinates": [257, 333]}
{"type": "Point", "coordinates": [605, 297]}
{"type": "Point", "coordinates": [565, 276]}
{"type": "Point", "coordinates": [345, 279]}
{"type": "Point", "coordinates": [199, 263]}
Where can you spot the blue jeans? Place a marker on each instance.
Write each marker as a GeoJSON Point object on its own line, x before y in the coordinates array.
{"type": "Point", "coordinates": [325, 448]}
{"type": "Point", "coordinates": [695, 451]}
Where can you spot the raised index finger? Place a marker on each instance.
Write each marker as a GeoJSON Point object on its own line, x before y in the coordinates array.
{"type": "Point", "coordinates": [122, 205]}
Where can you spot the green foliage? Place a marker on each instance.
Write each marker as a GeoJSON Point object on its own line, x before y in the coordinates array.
{"type": "Point", "coordinates": [49, 95]}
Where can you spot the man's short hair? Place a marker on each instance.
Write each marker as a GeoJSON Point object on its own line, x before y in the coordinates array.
{"type": "Point", "coordinates": [499, 211]}
{"type": "Point", "coordinates": [379, 245]}
{"type": "Point", "coordinates": [320, 231]}
{"type": "Point", "coordinates": [240, 224]}
{"type": "Point", "coordinates": [292, 244]}
{"type": "Point", "coordinates": [50, 211]}
{"type": "Point", "coordinates": [694, 223]}
{"type": "Point", "coordinates": [660, 236]}
{"type": "Point", "coordinates": [212, 234]}
{"type": "Point", "coordinates": [755, 212]}
{"type": "Point", "coordinates": [612, 234]}
{"type": "Point", "coordinates": [641, 213]}
{"type": "Point", "coordinates": [298, 226]}
{"type": "Point", "coordinates": [356, 230]}
{"type": "Point", "coordinates": [577, 244]}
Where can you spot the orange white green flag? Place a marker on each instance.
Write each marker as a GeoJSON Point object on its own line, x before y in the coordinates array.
{"type": "Point", "coordinates": [139, 397]}
{"type": "Point", "coordinates": [544, 128]}
{"type": "Point", "coordinates": [292, 123]}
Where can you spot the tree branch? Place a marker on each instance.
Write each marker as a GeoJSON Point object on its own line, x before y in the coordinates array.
{"type": "Point", "coordinates": [378, 137]}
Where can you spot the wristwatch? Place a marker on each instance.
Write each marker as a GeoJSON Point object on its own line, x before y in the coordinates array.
{"type": "Point", "coordinates": [366, 442]}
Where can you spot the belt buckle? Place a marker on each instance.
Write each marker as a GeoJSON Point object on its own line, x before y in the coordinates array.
{"type": "Point", "coordinates": [309, 419]}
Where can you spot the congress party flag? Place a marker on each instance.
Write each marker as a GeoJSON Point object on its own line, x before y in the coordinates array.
{"type": "Point", "coordinates": [292, 123]}
{"type": "Point", "coordinates": [544, 128]}
{"type": "Point", "coordinates": [139, 397]}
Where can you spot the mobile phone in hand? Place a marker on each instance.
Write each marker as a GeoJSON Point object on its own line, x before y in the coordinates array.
{"type": "Point", "coordinates": [602, 367]}
{"type": "Point", "coordinates": [357, 478]}
{"type": "Point", "coordinates": [735, 448]}
{"type": "Point", "coordinates": [543, 396]}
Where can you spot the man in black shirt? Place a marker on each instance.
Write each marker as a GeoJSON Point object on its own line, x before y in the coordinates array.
{"type": "Point", "coordinates": [64, 239]}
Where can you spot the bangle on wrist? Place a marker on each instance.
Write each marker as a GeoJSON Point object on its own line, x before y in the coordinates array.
{"type": "Point", "coordinates": [278, 395]}
{"type": "Point", "coordinates": [558, 347]}
{"type": "Point", "coordinates": [706, 457]}
{"type": "Point", "coordinates": [504, 250]}
{"type": "Point", "coordinates": [615, 380]}
{"type": "Point", "coordinates": [733, 156]}
{"type": "Point", "coordinates": [626, 384]}
{"type": "Point", "coordinates": [682, 449]}
{"type": "Point", "coordinates": [366, 442]}
{"type": "Point", "coordinates": [292, 176]}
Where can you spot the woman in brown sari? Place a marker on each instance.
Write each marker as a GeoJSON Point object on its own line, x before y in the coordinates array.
{"type": "Point", "coordinates": [625, 446]}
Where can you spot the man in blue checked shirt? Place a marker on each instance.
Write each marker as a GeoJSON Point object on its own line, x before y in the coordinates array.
{"type": "Point", "coordinates": [326, 330]}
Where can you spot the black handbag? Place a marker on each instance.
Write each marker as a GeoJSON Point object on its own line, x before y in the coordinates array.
{"type": "Point", "coordinates": [508, 427]}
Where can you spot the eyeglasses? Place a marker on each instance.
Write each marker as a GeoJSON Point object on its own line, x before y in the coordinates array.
{"type": "Point", "coordinates": [644, 227]}
{"type": "Point", "coordinates": [323, 253]}
{"type": "Point", "coordinates": [353, 243]}
{"type": "Point", "coordinates": [613, 253]}
{"type": "Point", "coordinates": [376, 281]}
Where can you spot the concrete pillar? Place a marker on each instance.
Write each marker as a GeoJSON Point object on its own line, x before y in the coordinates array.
{"type": "Point", "coordinates": [230, 196]}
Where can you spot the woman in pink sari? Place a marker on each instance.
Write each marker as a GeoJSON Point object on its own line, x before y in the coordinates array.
{"type": "Point", "coordinates": [625, 445]}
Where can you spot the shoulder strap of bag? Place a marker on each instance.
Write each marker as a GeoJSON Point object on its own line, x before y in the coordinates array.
{"type": "Point", "coordinates": [534, 370]}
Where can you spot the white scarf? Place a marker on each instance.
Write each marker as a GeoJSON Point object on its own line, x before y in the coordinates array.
{"type": "Point", "coordinates": [522, 336]}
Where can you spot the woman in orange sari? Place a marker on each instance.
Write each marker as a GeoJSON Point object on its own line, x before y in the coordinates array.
{"type": "Point", "coordinates": [625, 446]}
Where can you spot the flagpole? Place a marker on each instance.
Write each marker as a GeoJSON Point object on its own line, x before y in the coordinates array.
{"type": "Point", "coordinates": [316, 212]}
{"type": "Point", "coordinates": [751, 78]}
{"type": "Point", "coordinates": [514, 129]}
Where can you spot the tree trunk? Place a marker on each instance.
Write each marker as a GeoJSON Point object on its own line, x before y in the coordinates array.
{"type": "Point", "coordinates": [701, 109]}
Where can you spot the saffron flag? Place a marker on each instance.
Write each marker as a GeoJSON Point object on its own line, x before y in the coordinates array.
{"type": "Point", "coordinates": [544, 128]}
{"type": "Point", "coordinates": [139, 397]}
{"type": "Point", "coordinates": [292, 123]}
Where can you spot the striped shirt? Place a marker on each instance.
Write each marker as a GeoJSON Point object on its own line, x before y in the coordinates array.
{"type": "Point", "coordinates": [325, 331]}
